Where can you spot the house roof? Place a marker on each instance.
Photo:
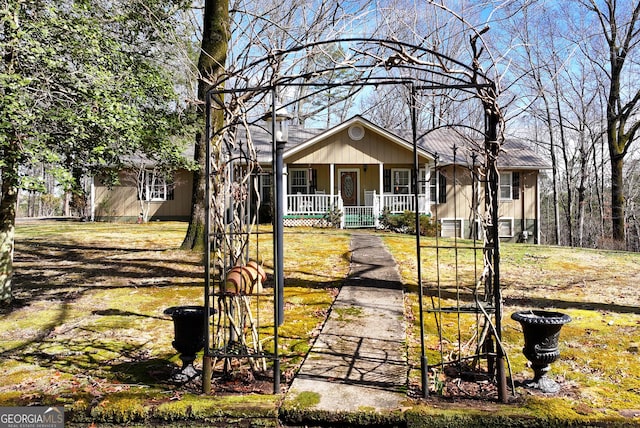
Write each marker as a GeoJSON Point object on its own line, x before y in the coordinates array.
{"type": "Point", "coordinates": [515, 154]}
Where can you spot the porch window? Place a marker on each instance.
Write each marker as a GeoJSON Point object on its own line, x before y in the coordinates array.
{"type": "Point", "coordinates": [386, 181]}
{"type": "Point", "coordinates": [422, 178]}
{"type": "Point", "coordinates": [299, 181]}
{"type": "Point", "coordinates": [265, 187]}
{"type": "Point", "coordinates": [401, 181]}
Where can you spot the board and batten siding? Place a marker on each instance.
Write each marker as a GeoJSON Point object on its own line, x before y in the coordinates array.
{"type": "Point", "coordinates": [341, 149]}
{"type": "Point", "coordinates": [120, 203]}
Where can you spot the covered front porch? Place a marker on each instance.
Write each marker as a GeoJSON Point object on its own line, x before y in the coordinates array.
{"type": "Point", "coordinates": [356, 169]}
{"type": "Point", "coordinates": [359, 193]}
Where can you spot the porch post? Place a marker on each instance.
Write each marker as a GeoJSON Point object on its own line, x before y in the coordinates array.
{"type": "Point", "coordinates": [284, 188]}
{"type": "Point", "coordinates": [343, 217]}
{"type": "Point", "coordinates": [376, 209]}
{"type": "Point", "coordinates": [536, 229]}
{"type": "Point", "coordinates": [426, 188]}
{"type": "Point", "coordinates": [93, 198]}
{"type": "Point", "coordinates": [332, 181]}
{"type": "Point", "coordinates": [381, 183]}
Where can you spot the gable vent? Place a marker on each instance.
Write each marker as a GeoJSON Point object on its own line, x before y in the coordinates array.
{"type": "Point", "coordinates": [356, 132]}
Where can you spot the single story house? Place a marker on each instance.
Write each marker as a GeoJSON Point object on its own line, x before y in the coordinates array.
{"type": "Point", "coordinates": [361, 169]}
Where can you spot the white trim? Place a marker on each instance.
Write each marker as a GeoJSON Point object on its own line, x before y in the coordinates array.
{"type": "Point", "coordinates": [93, 198]}
{"type": "Point", "coordinates": [357, 171]}
{"type": "Point", "coordinates": [332, 179]}
{"type": "Point", "coordinates": [285, 188]}
{"type": "Point", "coordinates": [381, 179]}
{"type": "Point", "coordinates": [538, 209]}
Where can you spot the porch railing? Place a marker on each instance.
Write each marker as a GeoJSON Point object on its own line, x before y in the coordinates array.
{"type": "Point", "coordinates": [400, 203]}
{"type": "Point", "coordinates": [311, 204]}
{"type": "Point", "coordinates": [361, 216]}
{"type": "Point", "coordinates": [366, 215]}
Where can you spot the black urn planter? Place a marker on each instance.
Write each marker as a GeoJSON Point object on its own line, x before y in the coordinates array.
{"type": "Point", "coordinates": [541, 333]}
{"type": "Point", "coordinates": [189, 337]}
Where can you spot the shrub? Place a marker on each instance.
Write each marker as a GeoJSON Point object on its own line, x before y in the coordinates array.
{"type": "Point", "coordinates": [406, 223]}
{"type": "Point", "coordinates": [333, 217]}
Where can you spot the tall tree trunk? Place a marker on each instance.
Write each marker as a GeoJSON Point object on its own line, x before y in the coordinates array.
{"type": "Point", "coordinates": [617, 197]}
{"type": "Point", "coordinates": [582, 190]}
{"type": "Point", "coordinates": [213, 55]}
{"type": "Point", "coordinates": [554, 170]}
{"type": "Point", "coordinates": [10, 153]}
{"type": "Point", "coordinates": [598, 189]}
{"type": "Point", "coordinates": [567, 168]}
{"type": "Point", "coordinates": [620, 30]}
{"type": "Point", "coordinates": [8, 205]}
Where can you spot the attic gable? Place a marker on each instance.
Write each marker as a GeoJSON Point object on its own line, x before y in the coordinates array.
{"type": "Point", "coordinates": [354, 127]}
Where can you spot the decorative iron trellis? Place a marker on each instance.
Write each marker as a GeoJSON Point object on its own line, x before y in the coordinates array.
{"type": "Point", "coordinates": [230, 235]}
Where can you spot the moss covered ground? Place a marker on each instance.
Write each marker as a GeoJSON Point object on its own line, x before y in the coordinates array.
{"type": "Point", "coordinates": [87, 328]}
{"type": "Point", "coordinates": [599, 364]}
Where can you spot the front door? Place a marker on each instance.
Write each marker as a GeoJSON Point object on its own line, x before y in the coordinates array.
{"type": "Point", "coordinates": [349, 187]}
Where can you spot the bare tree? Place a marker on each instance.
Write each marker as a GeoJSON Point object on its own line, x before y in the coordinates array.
{"type": "Point", "coordinates": [533, 30]}
{"type": "Point", "coordinates": [233, 38]}
{"type": "Point", "coordinates": [616, 48]}
{"type": "Point", "coordinates": [437, 28]}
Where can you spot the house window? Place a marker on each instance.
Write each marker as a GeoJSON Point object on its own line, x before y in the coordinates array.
{"type": "Point", "coordinates": [509, 185]}
{"type": "Point", "coordinates": [505, 185]}
{"type": "Point", "coordinates": [265, 187]}
{"type": "Point", "coordinates": [299, 181]}
{"type": "Point", "coordinates": [422, 179]}
{"type": "Point", "coordinates": [386, 181]}
{"type": "Point", "coordinates": [505, 227]}
{"type": "Point", "coordinates": [156, 186]}
{"type": "Point", "coordinates": [401, 181]}
{"type": "Point", "coordinates": [451, 228]}
{"type": "Point", "coordinates": [438, 188]}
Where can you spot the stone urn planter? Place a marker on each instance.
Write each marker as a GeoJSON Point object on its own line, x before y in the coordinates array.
{"type": "Point", "coordinates": [541, 333]}
{"type": "Point", "coordinates": [189, 337]}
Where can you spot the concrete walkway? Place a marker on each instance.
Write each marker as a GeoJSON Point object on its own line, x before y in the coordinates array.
{"type": "Point", "coordinates": [358, 361]}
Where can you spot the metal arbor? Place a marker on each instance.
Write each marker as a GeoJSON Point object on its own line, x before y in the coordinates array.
{"type": "Point", "coordinates": [233, 164]}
